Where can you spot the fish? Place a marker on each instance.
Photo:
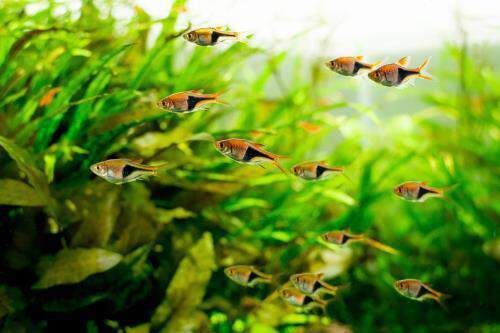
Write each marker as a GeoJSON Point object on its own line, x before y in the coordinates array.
{"type": "Point", "coordinates": [122, 170]}
{"type": "Point", "coordinates": [309, 127]}
{"type": "Point", "coordinates": [311, 283]}
{"type": "Point", "coordinates": [245, 151]}
{"type": "Point", "coordinates": [294, 297]}
{"type": "Point", "coordinates": [315, 170]}
{"type": "Point", "coordinates": [350, 66]}
{"type": "Point", "coordinates": [397, 74]}
{"type": "Point", "coordinates": [188, 101]}
{"type": "Point", "coordinates": [247, 276]}
{"type": "Point", "coordinates": [417, 191]}
{"type": "Point", "coordinates": [339, 237]}
{"type": "Point", "coordinates": [209, 36]}
{"type": "Point", "coordinates": [49, 96]}
{"type": "Point", "coordinates": [419, 291]}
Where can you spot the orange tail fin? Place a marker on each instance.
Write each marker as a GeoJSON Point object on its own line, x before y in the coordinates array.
{"type": "Point", "coordinates": [376, 244]}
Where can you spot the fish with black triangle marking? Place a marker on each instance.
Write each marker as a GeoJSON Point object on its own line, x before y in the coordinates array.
{"type": "Point", "coordinates": [312, 283]}
{"type": "Point", "coordinates": [210, 36]}
{"type": "Point", "coordinates": [122, 170]}
{"type": "Point", "coordinates": [295, 297]}
{"type": "Point", "coordinates": [315, 170]}
{"type": "Point", "coordinates": [189, 101]}
{"type": "Point", "coordinates": [245, 151]}
{"type": "Point", "coordinates": [247, 276]}
{"type": "Point", "coordinates": [417, 191]}
{"type": "Point", "coordinates": [419, 291]}
{"type": "Point", "coordinates": [350, 66]}
{"type": "Point", "coordinates": [398, 74]}
{"type": "Point", "coordinates": [340, 237]}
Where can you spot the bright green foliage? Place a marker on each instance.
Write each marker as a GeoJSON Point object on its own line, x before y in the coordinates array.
{"type": "Point", "coordinates": [80, 87]}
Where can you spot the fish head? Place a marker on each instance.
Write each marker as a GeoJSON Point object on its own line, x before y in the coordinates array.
{"type": "Point", "coordinates": [100, 169]}
{"type": "Point", "coordinates": [296, 279]}
{"type": "Point", "coordinates": [332, 64]}
{"type": "Point", "coordinates": [376, 76]}
{"type": "Point", "coordinates": [401, 286]}
{"type": "Point", "coordinates": [223, 146]}
{"type": "Point", "coordinates": [297, 170]}
{"type": "Point", "coordinates": [398, 190]}
{"type": "Point", "coordinates": [286, 293]}
{"type": "Point", "coordinates": [165, 104]}
{"type": "Point", "coordinates": [334, 237]}
{"type": "Point", "coordinates": [190, 36]}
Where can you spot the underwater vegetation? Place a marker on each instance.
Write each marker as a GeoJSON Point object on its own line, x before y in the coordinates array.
{"type": "Point", "coordinates": [151, 249]}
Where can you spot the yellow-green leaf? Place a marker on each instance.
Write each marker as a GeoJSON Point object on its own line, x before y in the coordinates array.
{"type": "Point", "coordinates": [187, 288]}
{"type": "Point", "coordinates": [16, 193]}
{"type": "Point", "coordinates": [75, 265]}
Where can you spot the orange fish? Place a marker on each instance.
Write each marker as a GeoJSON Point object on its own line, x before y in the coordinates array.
{"type": "Point", "coordinates": [315, 170]}
{"type": "Point", "coordinates": [188, 101]}
{"type": "Point", "coordinates": [311, 283]}
{"type": "Point", "coordinates": [209, 36]}
{"type": "Point", "coordinates": [417, 191]}
{"type": "Point", "coordinates": [247, 276]}
{"type": "Point", "coordinates": [419, 291]}
{"type": "Point", "coordinates": [296, 298]}
{"type": "Point", "coordinates": [350, 66]}
{"type": "Point", "coordinates": [119, 171]}
{"type": "Point", "coordinates": [393, 75]}
{"type": "Point", "coordinates": [341, 237]}
{"type": "Point", "coordinates": [245, 151]}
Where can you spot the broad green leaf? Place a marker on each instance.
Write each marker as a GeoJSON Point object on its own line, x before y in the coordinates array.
{"type": "Point", "coordinates": [16, 193]}
{"type": "Point", "coordinates": [26, 164]}
{"type": "Point", "coordinates": [186, 290]}
{"type": "Point", "coordinates": [166, 216]}
{"type": "Point", "coordinates": [75, 265]}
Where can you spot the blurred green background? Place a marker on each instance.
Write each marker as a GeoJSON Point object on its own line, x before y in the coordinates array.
{"type": "Point", "coordinates": [78, 254]}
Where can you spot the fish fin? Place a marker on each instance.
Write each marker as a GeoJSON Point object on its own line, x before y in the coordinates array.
{"type": "Point", "coordinates": [376, 244]}
{"type": "Point", "coordinates": [209, 101]}
{"type": "Point", "coordinates": [425, 77]}
{"type": "Point", "coordinates": [374, 65]}
{"type": "Point", "coordinates": [320, 275]}
{"type": "Point", "coordinates": [421, 73]}
{"type": "Point", "coordinates": [194, 91]}
{"type": "Point", "coordinates": [423, 183]}
{"type": "Point", "coordinates": [424, 64]}
{"type": "Point", "coordinates": [279, 167]}
{"type": "Point", "coordinates": [360, 57]}
{"type": "Point", "coordinates": [403, 62]}
{"type": "Point", "coordinates": [136, 161]}
{"type": "Point", "coordinates": [328, 287]}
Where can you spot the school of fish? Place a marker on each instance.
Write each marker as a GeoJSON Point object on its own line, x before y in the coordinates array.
{"type": "Point", "coordinates": [304, 289]}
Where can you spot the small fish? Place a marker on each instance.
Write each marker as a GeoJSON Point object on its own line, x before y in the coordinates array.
{"type": "Point", "coordinates": [247, 152]}
{"type": "Point", "coordinates": [419, 291]}
{"type": "Point", "coordinates": [49, 96]}
{"type": "Point", "coordinates": [295, 297]}
{"type": "Point", "coordinates": [315, 170]}
{"type": "Point", "coordinates": [188, 101]}
{"type": "Point", "coordinates": [417, 191]}
{"type": "Point", "coordinates": [119, 171]}
{"type": "Point", "coordinates": [209, 36]}
{"type": "Point", "coordinates": [311, 283]}
{"type": "Point", "coordinates": [247, 276]}
{"type": "Point", "coordinates": [350, 66]}
{"type": "Point", "coordinates": [341, 237]}
{"type": "Point", "coordinates": [393, 75]}
{"type": "Point", "coordinates": [309, 127]}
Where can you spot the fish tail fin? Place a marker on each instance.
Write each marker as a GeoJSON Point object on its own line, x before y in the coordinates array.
{"type": "Point", "coordinates": [380, 246]}
{"type": "Point", "coordinates": [336, 169]}
{"type": "Point", "coordinates": [440, 298]}
{"type": "Point", "coordinates": [420, 69]}
{"type": "Point", "coordinates": [329, 288]}
{"type": "Point", "coordinates": [275, 162]}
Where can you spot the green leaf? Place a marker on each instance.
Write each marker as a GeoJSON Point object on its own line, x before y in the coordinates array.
{"type": "Point", "coordinates": [26, 164]}
{"type": "Point", "coordinates": [75, 265]}
{"type": "Point", "coordinates": [16, 193]}
{"type": "Point", "coordinates": [187, 288]}
{"type": "Point", "coordinates": [166, 216]}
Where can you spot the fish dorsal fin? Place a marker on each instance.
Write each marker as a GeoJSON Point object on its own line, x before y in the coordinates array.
{"type": "Point", "coordinates": [194, 91]}
{"type": "Point", "coordinates": [423, 183]}
{"type": "Point", "coordinates": [220, 28]}
{"type": "Point", "coordinates": [323, 163]}
{"type": "Point", "coordinates": [135, 161]}
{"type": "Point", "coordinates": [320, 275]}
{"type": "Point", "coordinates": [258, 145]}
{"type": "Point", "coordinates": [360, 57]}
{"type": "Point", "coordinates": [403, 62]}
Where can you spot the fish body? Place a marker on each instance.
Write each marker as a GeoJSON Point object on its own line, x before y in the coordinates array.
{"type": "Point", "coordinates": [209, 36]}
{"type": "Point", "coordinates": [247, 276]}
{"type": "Point", "coordinates": [119, 171]}
{"type": "Point", "coordinates": [315, 170]}
{"type": "Point", "coordinates": [397, 74]}
{"type": "Point", "coordinates": [417, 191]}
{"type": "Point", "coordinates": [349, 66]}
{"type": "Point", "coordinates": [311, 283]}
{"type": "Point", "coordinates": [188, 101]}
{"type": "Point", "coordinates": [417, 290]}
{"type": "Point", "coordinates": [247, 152]}
{"type": "Point", "coordinates": [296, 298]}
{"type": "Point", "coordinates": [341, 237]}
